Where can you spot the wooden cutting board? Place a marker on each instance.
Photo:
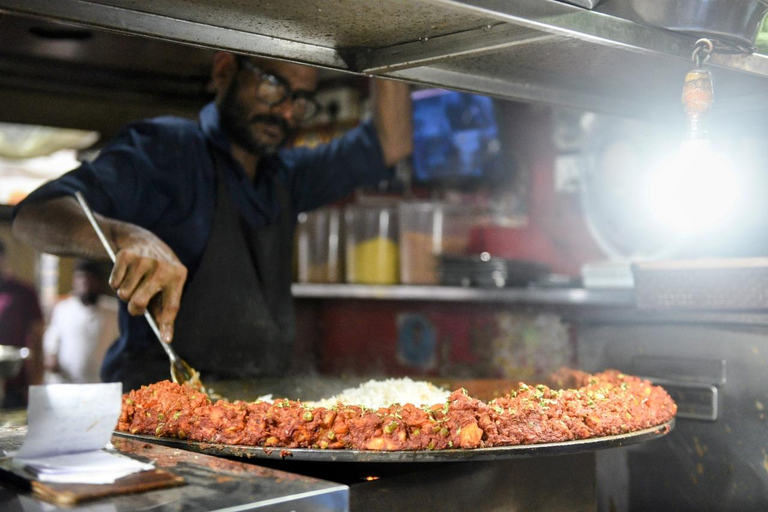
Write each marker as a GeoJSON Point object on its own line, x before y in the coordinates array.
{"type": "Point", "coordinates": [70, 494]}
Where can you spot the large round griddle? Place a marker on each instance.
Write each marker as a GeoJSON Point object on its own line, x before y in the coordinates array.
{"type": "Point", "coordinates": [455, 455]}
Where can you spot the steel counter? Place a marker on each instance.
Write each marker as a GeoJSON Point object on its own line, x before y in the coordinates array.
{"type": "Point", "coordinates": [212, 484]}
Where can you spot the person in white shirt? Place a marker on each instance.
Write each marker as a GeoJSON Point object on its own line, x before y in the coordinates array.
{"type": "Point", "coordinates": [81, 329]}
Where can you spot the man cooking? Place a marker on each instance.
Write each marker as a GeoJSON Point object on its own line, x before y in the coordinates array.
{"type": "Point", "coordinates": [201, 217]}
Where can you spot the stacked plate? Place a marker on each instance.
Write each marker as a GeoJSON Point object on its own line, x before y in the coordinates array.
{"type": "Point", "coordinates": [488, 272]}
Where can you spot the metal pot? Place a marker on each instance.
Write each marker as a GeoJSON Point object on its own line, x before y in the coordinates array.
{"type": "Point", "coordinates": [733, 24]}
{"type": "Point", "coordinates": [11, 360]}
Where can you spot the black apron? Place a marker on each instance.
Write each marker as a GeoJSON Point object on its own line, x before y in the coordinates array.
{"type": "Point", "coordinates": [236, 317]}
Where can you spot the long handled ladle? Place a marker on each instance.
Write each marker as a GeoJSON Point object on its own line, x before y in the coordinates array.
{"type": "Point", "coordinates": [181, 372]}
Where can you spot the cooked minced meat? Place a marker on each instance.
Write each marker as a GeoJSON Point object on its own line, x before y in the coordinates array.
{"type": "Point", "coordinates": [607, 403]}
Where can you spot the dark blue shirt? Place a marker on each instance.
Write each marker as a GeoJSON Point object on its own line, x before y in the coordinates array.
{"type": "Point", "coordinates": [159, 174]}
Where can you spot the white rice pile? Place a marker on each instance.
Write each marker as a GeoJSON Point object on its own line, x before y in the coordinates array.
{"type": "Point", "coordinates": [375, 394]}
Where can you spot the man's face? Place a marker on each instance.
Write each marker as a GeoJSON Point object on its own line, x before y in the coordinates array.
{"type": "Point", "coordinates": [250, 121]}
{"type": "Point", "coordinates": [86, 286]}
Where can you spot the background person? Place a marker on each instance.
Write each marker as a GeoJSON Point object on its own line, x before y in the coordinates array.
{"type": "Point", "coordinates": [21, 325]}
{"type": "Point", "coordinates": [81, 328]}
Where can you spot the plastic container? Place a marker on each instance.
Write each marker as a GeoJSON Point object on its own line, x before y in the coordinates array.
{"type": "Point", "coordinates": [372, 255]}
{"type": "Point", "coordinates": [427, 231]}
{"type": "Point", "coordinates": [318, 253]}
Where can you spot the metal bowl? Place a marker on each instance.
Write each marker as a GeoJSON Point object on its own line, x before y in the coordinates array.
{"type": "Point", "coordinates": [11, 360]}
{"type": "Point", "coordinates": [732, 24]}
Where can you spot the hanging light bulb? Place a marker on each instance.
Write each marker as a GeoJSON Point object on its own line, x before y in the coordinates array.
{"type": "Point", "coordinates": [698, 92]}
{"type": "Point", "coordinates": [697, 188]}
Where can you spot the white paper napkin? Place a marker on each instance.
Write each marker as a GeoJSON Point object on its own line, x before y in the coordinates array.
{"type": "Point", "coordinates": [69, 425]}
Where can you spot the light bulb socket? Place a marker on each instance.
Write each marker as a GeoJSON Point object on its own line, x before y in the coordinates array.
{"type": "Point", "coordinates": [698, 96]}
{"type": "Point", "coordinates": [698, 92]}
{"type": "Point", "coordinates": [698, 127]}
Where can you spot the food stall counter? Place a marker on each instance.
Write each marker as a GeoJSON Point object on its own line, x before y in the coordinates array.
{"type": "Point", "coordinates": [211, 483]}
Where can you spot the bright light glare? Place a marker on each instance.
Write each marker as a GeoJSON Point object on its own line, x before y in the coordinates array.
{"type": "Point", "coordinates": [694, 190]}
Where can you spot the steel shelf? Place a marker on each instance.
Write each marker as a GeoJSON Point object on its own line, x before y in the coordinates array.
{"type": "Point", "coordinates": [543, 296]}
{"type": "Point", "coordinates": [531, 50]}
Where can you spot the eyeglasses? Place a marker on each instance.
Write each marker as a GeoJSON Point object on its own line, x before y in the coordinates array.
{"type": "Point", "coordinates": [274, 90]}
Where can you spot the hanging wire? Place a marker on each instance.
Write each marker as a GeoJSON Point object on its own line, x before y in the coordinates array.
{"type": "Point", "coordinates": [704, 46]}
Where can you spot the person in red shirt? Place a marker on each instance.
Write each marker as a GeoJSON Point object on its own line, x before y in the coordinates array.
{"type": "Point", "coordinates": [21, 325]}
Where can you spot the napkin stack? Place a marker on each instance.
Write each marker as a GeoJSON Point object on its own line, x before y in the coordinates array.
{"type": "Point", "coordinates": [68, 435]}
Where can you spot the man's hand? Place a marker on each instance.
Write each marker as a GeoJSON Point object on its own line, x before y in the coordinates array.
{"type": "Point", "coordinates": [148, 274]}
{"type": "Point", "coordinates": [146, 270]}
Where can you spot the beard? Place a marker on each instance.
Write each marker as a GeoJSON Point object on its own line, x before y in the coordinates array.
{"type": "Point", "coordinates": [239, 127]}
{"type": "Point", "coordinates": [89, 299]}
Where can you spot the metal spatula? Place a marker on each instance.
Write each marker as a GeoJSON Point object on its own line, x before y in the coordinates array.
{"type": "Point", "coordinates": [181, 372]}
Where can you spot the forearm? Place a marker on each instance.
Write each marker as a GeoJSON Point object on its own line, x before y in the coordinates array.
{"type": "Point", "coordinates": [392, 116]}
{"type": "Point", "coordinates": [59, 226]}
{"type": "Point", "coordinates": [51, 362]}
{"type": "Point", "coordinates": [51, 344]}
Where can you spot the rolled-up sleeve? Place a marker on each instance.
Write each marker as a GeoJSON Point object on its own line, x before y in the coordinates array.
{"type": "Point", "coordinates": [81, 179]}
{"type": "Point", "coordinates": [332, 171]}
{"type": "Point", "coordinates": [122, 182]}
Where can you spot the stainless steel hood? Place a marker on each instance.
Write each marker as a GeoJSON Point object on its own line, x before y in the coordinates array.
{"type": "Point", "coordinates": [531, 50]}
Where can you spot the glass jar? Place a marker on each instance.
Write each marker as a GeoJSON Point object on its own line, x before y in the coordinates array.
{"type": "Point", "coordinates": [318, 234]}
{"type": "Point", "coordinates": [372, 255]}
{"type": "Point", "coordinates": [428, 230]}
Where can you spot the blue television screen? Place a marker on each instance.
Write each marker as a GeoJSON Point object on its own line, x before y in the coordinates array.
{"type": "Point", "coordinates": [456, 137]}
